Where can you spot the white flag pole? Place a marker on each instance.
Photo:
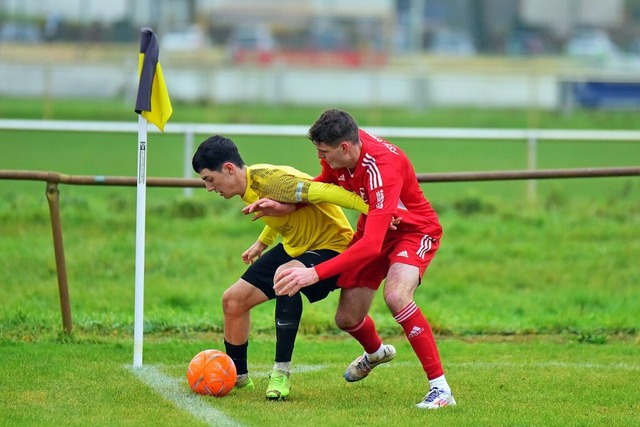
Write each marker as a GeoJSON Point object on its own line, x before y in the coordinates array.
{"type": "Point", "coordinates": [138, 325]}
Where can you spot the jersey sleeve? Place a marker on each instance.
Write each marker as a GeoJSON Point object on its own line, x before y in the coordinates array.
{"type": "Point", "coordinates": [367, 247]}
{"type": "Point", "coordinates": [268, 235]}
{"type": "Point", "coordinates": [288, 188]}
{"type": "Point", "coordinates": [319, 192]}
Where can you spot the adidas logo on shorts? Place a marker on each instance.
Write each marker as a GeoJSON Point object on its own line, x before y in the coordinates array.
{"type": "Point", "coordinates": [404, 254]}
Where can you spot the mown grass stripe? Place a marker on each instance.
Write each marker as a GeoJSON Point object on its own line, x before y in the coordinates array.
{"type": "Point", "coordinates": [168, 387]}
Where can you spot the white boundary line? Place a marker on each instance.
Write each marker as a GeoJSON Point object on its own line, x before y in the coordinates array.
{"type": "Point", "coordinates": [169, 388]}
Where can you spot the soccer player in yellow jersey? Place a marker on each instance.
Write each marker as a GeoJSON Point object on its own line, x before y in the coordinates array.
{"type": "Point", "coordinates": [310, 235]}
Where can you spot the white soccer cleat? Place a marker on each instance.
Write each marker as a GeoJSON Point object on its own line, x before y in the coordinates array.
{"type": "Point", "coordinates": [360, 368]}
{"type": "Point", "coordinates": [437, 398]}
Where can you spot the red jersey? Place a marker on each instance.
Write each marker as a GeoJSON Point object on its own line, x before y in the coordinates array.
{"type": "Point", "coordinates": [386, 180]}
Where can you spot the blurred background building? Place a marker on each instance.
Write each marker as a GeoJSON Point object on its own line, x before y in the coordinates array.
{"type": "Point", "coordinates": [545, 53]}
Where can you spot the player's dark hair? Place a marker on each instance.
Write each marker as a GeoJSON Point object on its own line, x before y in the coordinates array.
{"type": "Point", "coordinates": [333, 127]}
{"type": "Point", "coordinates": [215, 151]}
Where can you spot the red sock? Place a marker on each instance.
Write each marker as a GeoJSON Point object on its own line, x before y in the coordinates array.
{"type": "Point", "coordinates": [420, 336]}
{"type": "Point", "coordinates": [366, 334]}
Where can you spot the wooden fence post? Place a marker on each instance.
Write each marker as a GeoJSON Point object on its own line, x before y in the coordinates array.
{"type": "Point", "coordinates": [53, 197]}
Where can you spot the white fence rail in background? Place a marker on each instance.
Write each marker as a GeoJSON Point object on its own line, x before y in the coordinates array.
{"type": "Point", "coordinates": [189, 130]}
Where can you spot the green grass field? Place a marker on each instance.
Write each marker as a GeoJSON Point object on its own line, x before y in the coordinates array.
{"type": "Point", "coordinates": [534, 304]}
{"type": "Point", "coordinates": [532, 381]}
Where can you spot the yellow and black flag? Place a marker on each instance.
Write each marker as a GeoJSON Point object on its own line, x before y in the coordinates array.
{"type": "Point", "coordinates": [153, 99]}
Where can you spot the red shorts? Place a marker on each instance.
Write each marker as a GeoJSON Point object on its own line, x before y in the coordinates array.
{"type": "Point", "coordinates": [407, 248]}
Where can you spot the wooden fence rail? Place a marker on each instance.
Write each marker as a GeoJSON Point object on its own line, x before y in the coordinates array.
{"type": "Point", "coordinates": [52, 180]}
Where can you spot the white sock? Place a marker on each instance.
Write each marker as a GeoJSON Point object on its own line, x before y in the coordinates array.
{"type": "Point", "coordinates": [377, 355]}
{"type": "Point", "coordinates": [283, 366]}
{"type": "Point", "coordinates": [440, 383]}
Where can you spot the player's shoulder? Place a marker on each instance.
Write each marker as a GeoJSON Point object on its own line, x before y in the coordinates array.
{"type": "Point", "coordinates": [376, 144]}
{"type": "Point", "coordinates": [383, 152]}
{"type": "Point", "coordinates": [260, 167]}
{"type": "Point", "coordinates": [290, 170]}
{"type": "Point", "coordinates": [266, 170]}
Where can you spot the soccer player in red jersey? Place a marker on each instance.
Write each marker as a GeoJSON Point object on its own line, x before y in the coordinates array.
{"type": "Point", "coordinates": [384, 177]}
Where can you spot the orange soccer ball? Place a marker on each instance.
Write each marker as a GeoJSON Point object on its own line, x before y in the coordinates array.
{"type": "Point", "coordinates": [211, 372]}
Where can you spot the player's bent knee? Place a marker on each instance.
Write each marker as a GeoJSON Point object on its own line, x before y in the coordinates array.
{"type": "Point", "coordinates": [345, 321]}
{"type": "Point", "coordinates": [291, 264]}
{"type": "Point", "coordinates": [233, 303]}
{"type": "Point", "coordinates": [229, 303]}
{"type": "Point", "coordinates": [395, 301]}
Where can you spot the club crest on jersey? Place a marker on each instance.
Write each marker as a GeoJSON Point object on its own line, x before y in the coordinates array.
{"type": "Point", "coordinates": [379, 199]}
{"type": "Point", "coordinates": [364, 196]}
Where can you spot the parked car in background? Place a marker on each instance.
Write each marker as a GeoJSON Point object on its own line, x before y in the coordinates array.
{"type": "Point", "coordinates": [256, 45]}
{"type": "Point", "coordinates": [185, 39]}
{"type": "Point", "coordinates": [451, 42]}
{"type": "Point", "coordinates": [592, 43]}
{"type": "Point", "coordinates": [253, 43]}
{"type": "Point", "coordinates": [526, 42]}
{"type": "Point", "coordinates": [20, 32]}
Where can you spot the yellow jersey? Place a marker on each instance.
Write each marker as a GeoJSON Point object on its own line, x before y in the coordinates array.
{"type": "Point", "coordinates": [314, 226]}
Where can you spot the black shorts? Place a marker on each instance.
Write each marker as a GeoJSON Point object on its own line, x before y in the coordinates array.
{"type": "Point", "coordinates": [261, 273]}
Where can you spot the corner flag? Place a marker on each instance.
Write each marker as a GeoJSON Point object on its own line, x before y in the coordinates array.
{"type": "Point", "coordinates": [152, 105]}
{"type": "Point", "coordinates": [153, 99]}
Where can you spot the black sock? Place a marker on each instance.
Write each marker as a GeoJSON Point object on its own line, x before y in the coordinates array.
{"type": "Point", "coordinates": [238, 353]}
{"type": "Point", "coordinates": [288, 314]}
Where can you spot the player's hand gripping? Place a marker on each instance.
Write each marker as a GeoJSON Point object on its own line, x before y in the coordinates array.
{"type": "Point", "coordinates": [393, 225]}
{"type": "Point", "coordinates": [254, 252]}
{"type": "Point", "coordinates": [290, 281]}
{"type": "Point", "coordinates": [268, 207]}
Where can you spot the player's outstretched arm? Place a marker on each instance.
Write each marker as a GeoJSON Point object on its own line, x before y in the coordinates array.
{"type": "Point", "coordinates": [293, 189]}
{"type": "Point", "coordinates": [329, 193]}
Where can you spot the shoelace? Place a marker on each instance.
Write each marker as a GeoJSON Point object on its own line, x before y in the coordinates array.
{"type": "Point", "coordinates": [433, 394]}
{"type": "Point", "coordinates": [363, 364]}
{"type": "Point", "coordinates": [279, 380]}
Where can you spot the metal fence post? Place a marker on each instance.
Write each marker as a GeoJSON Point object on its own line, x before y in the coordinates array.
{"type": "Point", "coordinates": [53, 197]}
